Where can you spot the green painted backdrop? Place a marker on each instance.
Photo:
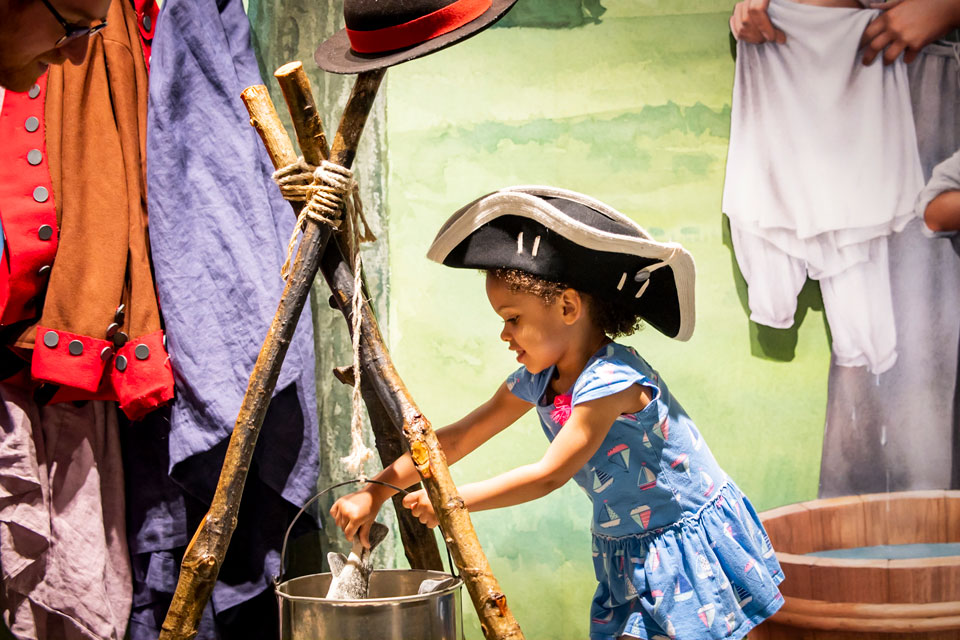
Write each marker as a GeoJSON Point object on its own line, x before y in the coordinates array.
{"type": "Point", "coordinates": [630, 103]}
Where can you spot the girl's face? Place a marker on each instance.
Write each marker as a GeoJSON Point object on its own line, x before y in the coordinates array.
{"type": "Point", "coordinates": [538, 332]}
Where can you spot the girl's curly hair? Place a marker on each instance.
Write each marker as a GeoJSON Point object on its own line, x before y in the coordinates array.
{"type": "Point", "coordinates": [612, 318]}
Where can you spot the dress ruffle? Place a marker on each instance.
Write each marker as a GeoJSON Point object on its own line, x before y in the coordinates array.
{"type": "Point", "coordinates": [711, 574]}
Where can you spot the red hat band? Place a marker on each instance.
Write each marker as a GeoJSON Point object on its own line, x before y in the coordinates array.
{"type": "Point", "coordinates": [426, 27]}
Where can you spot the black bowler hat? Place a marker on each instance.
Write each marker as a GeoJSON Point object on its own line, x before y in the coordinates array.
{"type": "Point", "coordinates": [382, 33]}
{"type": "Point", "coordinates": [567, 237]}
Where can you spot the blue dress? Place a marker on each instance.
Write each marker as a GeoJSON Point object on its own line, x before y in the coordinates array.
{"type": "Point", "coordinates": [678, 550]}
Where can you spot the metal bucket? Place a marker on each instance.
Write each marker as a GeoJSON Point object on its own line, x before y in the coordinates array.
{"type": "Point", "coordinates": [394, 610]}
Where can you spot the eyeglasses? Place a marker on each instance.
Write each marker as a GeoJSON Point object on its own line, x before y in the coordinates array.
{"type": "Point", "coordinates": [72, 31]}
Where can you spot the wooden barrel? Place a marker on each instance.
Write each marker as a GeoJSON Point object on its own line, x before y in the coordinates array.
{"type": "Point", "coordinates": [852, 599]}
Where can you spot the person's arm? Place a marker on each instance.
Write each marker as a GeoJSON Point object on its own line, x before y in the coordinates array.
{"type": "Point", "coordinates": [943, 212]}
{"type": "Point", "coordinates": [576, 442]}
{"type": "Point", "coordinates": [907, 26]}
{"type": "Point", "coordinates": [356, 512]}
{"type": "Point", "coordinates": [750, 23]}
{"type": "Point", "coordinates": [939, 201]}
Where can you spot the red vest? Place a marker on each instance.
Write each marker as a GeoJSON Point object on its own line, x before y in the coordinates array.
{"type": "Point", "coordinates": [76, 284]}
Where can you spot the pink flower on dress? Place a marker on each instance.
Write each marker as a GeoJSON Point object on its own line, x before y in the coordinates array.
{"type": "Point", "coordinates": [561, 409]}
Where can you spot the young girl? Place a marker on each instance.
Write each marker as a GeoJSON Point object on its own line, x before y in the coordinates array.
{"type": "Point", "coordinates": [678, 550]}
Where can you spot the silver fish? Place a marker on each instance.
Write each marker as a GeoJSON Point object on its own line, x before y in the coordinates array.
{"type": "Point", "coordinates": [351, 575]}
{"type": "Point", "coordinates": [429, 586]}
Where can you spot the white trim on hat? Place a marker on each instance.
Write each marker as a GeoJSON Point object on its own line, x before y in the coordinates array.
{"type": "Point", "coordinates": [527, 201]}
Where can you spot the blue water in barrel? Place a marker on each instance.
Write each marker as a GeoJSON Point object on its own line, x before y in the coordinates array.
{"type": "Point", "coordinates": [893, 551]}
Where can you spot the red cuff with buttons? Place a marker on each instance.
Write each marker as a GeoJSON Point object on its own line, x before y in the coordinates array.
{"type": "Point", "coordinates": [138, 375]}
{"type": "Point", "coordinates": [68, 359]}
{"type": "Point", "coordinates": [142, 376]}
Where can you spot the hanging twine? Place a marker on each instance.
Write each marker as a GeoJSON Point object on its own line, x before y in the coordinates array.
{"type": "Point", "coordinates": [359, 451]}
{"type": "Point", "coordinates": [323, 189]}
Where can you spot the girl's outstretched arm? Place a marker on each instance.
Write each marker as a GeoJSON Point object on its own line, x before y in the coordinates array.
{"type": "Point", "coordinates": [577, 441]}
{"type": "Point", "coordinates": [355, 512]}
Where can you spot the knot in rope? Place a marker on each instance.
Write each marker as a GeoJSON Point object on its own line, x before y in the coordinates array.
{"type": "Point", "coordinates": [327, 190]}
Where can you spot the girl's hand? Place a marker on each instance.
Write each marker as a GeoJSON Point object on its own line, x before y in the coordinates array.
{"type": "Point", "coordinates": [355, 512]}
{"type": "Point", "coordinates": [419, 504]}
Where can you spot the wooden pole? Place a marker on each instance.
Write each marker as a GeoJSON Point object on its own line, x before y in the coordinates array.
{"type": "Point", "coordinates": [206, 551]}
{"type": "Point", "coordinates": [496, 619]}
{"type": "Point", "coordinates": [419, 543]}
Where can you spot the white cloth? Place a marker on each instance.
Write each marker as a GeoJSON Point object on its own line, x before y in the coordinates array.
{"type": "Point", "coordinates": [823, 151]}
{"type": "Point", "coordinates": [822, 165]}
{"type": "Point", "coordinates": [857, 300]}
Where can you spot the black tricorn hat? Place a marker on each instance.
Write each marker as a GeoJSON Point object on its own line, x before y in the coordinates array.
{"type": "Point", "coordinates": [382, 33]}
{"type": "Point", "coordinates": [565, 236]}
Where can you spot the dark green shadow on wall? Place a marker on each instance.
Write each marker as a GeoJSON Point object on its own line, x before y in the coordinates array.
{"type": "Point", "coordinates": [553, 14]}
{"type": "Point", "coordinates": [766, 342]}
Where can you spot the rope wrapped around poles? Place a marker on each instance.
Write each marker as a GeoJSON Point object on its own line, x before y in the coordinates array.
{"type": "Point", "coordinates": [323, 188]}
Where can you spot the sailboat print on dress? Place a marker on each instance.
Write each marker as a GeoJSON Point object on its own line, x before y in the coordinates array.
{"type": "Point", "coordinates": [653, 560]}
{"type": "Point", "coordinates": [682, 463]}
{"type": "Point", "coordinates": [751, 528]}
{"type": "Point", "coordinates": [707, 613]}
{"type": "Point", "coordinates": [682, 589]}
{"type": "Point", "coordinates": [646, 441]}
{"type": "Point", "coordinates": [743, 596]}
{"type": "Point", "coordinates": [608, 517]}
{"type": "Point", "coordinates": [728, 530]}
{"type": "Point", "coordinates": [641, 515]}
{"type": "Point", "coordinates": [731, 620]}
{"type": "Point", "coordinates": [619, 562]}
{"type": "Point", "coordinates": [620, 456]}
{"type": "Point", "coordinates": [663, 429]}
{"type": "Point", "coordinates": [671, 631]}
{"type": "Point", "coordinates": [695, 440]}
{"type": "Point", "coordinates": [724, 581]}
{"type": "Point", "coordinates": [752, 565]}
{"type": "Point", "coordinates": [703, 567]}
{"type": "Point", "coordinates": [601, 481]}
{"type": "Point", "coordinates": [595, 551]}
{"type": "Point", "coordinates": [657, 596]}
{"type": "Point", "coordinates": [706, 484]}
{"type": "Point", "coordinates": [647, 479]}
{"type": "Point", "coordinates": [604, 619]}
{"type": "Point", "coordinates": [765, 545]}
